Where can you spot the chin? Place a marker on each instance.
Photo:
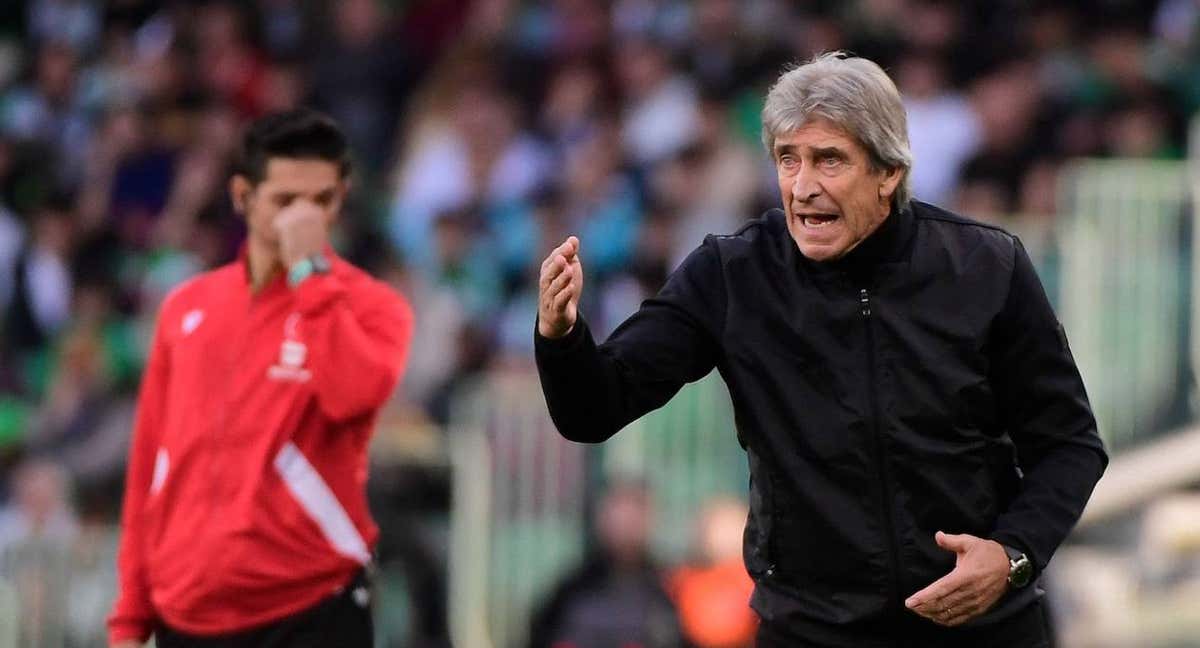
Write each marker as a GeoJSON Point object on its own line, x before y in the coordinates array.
{"type": "Point", "coordinates": [821, 252]}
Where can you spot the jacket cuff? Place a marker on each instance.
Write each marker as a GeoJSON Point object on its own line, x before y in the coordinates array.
{"type": "Point", "coordinates": [317, 292]}
{"type": "Point", "coordinates": [565, 345]}
{"type": "Point", "coordinates": [1009, 539]}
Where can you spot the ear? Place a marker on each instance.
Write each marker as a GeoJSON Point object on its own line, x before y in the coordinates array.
{"type": "Point", "coordinates": [890, 181]}
{"type": "Point", "coordinates": [239, 193]}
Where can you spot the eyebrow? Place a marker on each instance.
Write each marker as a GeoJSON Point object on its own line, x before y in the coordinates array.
{"type": "Point", "coordinates": [828, 151]}
{"type": "Point", "coordinates": [817, 151]}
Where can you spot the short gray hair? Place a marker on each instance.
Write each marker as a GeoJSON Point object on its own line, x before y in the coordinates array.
{"type": "Point", "coordinates": [854, 94]}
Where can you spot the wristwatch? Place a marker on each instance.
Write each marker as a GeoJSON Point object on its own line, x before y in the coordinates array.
{"type": "Point", "coordinates": [1020, 569]}
{"type": "Point", "coordinates": [306, 267]}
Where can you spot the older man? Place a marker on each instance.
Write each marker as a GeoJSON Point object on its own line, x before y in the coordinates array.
{"type": "Point", "coordinates": [918, 435]}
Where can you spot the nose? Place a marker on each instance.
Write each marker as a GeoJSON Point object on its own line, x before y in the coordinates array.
{"type": "Point", "coordinates": [805, 186]}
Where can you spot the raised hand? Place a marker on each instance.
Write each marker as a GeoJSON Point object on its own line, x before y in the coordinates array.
{"type": "Point", "coordinates": [303, 230]}
{"type": "Point", "coordinates": [559, 287]}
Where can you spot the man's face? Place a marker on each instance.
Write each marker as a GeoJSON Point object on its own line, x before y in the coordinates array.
{"type": "Point", "coordinates": [286, 181]}
{"type": "Point", "coordinates": [832, 196]}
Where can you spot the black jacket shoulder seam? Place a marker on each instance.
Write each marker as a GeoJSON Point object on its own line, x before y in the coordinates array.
{"type": "Point", "coordinates": [741, 230]}
{"type": "Point", "coordinates": [762, 220]}
{"type": "Point", "coordinates": [966, 223]}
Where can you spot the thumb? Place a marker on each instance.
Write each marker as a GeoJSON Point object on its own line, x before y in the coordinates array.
{"type": "Point", "coordinates": [958, 543]}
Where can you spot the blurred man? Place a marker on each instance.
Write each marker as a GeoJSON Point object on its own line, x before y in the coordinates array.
{"type": "Point", "coordinates": [919, 437]}
{"type": "Point", "coordinates": [40, 511]}
{"type": "Point", "coordinates": [712, 591]}
{"type": "Point", "coordinates": [616, 597]}
{"type": "Point", "coordinates": [245, 520]}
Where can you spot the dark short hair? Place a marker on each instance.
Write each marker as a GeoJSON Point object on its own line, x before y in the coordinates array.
{"type": "Point", "coordinates": [300, 133]}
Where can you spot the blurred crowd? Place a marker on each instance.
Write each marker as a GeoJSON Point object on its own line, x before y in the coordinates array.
{"type": "Point", "coordinates": [620, 595]}
{"type": "Point", "coordinates": [483, 133]}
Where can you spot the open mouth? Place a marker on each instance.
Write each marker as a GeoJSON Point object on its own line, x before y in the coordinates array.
{"type": "Point", "coordinates": [817, 221]}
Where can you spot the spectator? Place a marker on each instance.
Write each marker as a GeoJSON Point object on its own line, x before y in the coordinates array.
{"type": "Point", "coordinates": [47, 113]}
{"type": "Point", "coordinates": [713, 593]}
{"type": "Point", "coordinates": [229, 65]}
{"type": "Point", "coordinates": [42, 276]}
{"type": "Point", "coordinates": [615, 598]}
{"type": "Point", "coordinates": [362, 77]}
{"type": "Point", "coordinates": [661, 106]}
{"type": "Point", "coordinates": [84, 422]}
{"type": "Point", "coordinates": [37, 531]}
{"type": "Point", "coordinates": [942, 127]}
{"type": "Point", "coordinates": [40, 511]}
{"type": "Point", "coordinates": [481, 156]}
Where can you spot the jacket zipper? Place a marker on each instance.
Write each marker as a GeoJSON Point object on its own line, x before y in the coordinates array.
{"type": "Point", "coordinates": [885, 495]}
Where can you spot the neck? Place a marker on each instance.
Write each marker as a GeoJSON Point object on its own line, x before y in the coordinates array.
{"type": "Point", "coordinates": [262, 264]}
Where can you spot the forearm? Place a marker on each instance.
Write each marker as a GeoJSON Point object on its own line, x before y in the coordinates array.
{"type": "Point", "coordinates": [355, 359]}
{"type": "Point", "coordinates": [1052, 497]}
{"type": "Point", "coordinates": [1042, 399]}
{"type": "Point", "coordinates": [595, 390]}
{"type": "Point", "coordinates": [581, 391]}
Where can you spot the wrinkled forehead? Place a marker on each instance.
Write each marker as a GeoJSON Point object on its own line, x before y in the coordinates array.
{"type": "Point", "coordinates": [818, 132]}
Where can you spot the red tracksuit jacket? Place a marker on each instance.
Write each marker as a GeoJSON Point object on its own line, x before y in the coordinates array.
{"type": "Point", "coordinates": [245, 494]}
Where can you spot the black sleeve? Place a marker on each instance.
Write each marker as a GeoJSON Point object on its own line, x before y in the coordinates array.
{"type": "Point", "coordinates": [1041, 397]}
{"type": "Point", "coordinates": [594, 391]}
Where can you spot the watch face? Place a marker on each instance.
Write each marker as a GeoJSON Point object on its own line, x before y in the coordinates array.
{"type": "Point", "coordinates": [1021, 572]}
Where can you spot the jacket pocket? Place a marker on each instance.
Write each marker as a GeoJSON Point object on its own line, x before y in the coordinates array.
{"type": "Point", "coordinates": [823, 542]}
{"type": "Point", "coordinates": [810, 552]}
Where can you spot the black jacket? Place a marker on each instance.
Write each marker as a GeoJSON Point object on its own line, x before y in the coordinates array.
{"type": "Point", "coordinates": [920, 383]}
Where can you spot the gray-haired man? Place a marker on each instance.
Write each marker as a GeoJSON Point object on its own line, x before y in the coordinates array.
{"type": "Point", "coordinates": [918, 435]}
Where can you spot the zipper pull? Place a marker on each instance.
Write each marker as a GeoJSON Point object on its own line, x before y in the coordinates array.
{"type": "Point", "coordinates": [865, 301]}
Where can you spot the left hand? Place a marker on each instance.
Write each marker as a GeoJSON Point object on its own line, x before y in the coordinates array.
{"type": "Point", "coordinates": [303, 231]}
{"type": "Point", "coordinates": [978, 580]}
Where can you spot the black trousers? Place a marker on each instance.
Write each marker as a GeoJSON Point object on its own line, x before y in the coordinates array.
{"type": "Point", "coordinates": [342, 620]}
{"type": "Point", "coordinates": [1026, 629]}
